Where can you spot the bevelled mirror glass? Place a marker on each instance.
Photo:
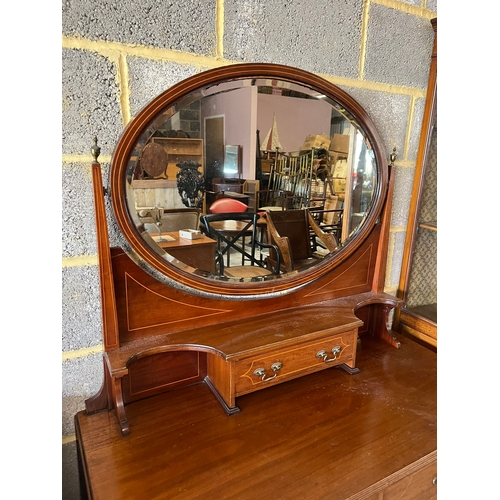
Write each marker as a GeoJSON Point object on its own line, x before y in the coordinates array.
{"type": "Point", "coordinates": [271, 137]}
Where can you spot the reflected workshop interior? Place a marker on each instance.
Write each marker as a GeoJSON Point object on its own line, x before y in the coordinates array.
{"type": "Point", "coordinates": [255, 146]}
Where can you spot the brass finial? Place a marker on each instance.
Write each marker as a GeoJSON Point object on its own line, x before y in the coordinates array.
{"type": "Point", "coordinates": [393, 156]}
{"type": "Point", "coordinates": [95, 150]}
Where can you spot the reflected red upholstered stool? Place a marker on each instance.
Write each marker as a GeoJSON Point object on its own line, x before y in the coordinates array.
{"type": "Point", "coordinates": [227, 206]}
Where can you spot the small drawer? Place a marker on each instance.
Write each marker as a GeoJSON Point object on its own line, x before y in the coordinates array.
{"type": "Point", "coordinates": [261, 371]}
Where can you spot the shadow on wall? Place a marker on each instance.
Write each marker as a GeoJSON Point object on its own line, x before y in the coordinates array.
{"type": "Point", "coordinates": [73, 484]}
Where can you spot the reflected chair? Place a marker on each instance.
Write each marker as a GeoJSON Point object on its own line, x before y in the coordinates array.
{"type": "Point", "coordinates": [330, 220]}
{"type": "Point", "coordinates": [171, 219]}
{"type": "Point", "coordinates": [224, 206]}
{"type": "Point", "coordinates": [293, 175]}
{"type": "Point", "coordinates": [324, 206]}
{"type": "Point", "coordinates": [278, 199]}
{"type": "Point", "coordinates": [290, 231]}
{"type": "Point", "coordinates": [220, 189]}
{"type": "Point", "coordinates": [231, 231]}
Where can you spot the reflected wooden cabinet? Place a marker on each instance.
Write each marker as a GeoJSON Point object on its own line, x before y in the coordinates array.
{"type": "Point", "coordinates": [161, 191]}
{"type": "Point", "coordinates": [418, 283]}
{"type": "Point", "coordinates": [181, 149]}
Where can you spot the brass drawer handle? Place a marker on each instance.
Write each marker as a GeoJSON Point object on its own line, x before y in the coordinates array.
{"type": "Point", "coordinates": [323, 354]}
{"type": "Point", "coordinates": [261, 372]}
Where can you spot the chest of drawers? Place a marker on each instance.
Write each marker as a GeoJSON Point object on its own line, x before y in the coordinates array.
{"type": "Point", "coordinates": [263, 370]}
{"type": "Point", "coordinates": [297, 343]}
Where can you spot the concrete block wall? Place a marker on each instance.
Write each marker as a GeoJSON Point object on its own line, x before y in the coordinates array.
{"type": "Point", "coordinates": [117, 56]}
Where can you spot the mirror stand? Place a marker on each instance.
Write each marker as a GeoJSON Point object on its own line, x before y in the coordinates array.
{"type": "Point", "coordinates": [236, 335]}
{"type": "Point", "coordinates": [221, 340]}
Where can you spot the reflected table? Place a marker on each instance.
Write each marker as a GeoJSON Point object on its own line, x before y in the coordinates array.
{"type": "Point", "coordinates": [199, 253]}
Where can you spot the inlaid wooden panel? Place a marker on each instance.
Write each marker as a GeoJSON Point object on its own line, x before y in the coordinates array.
{"type": "Point", "coordinates": [296, 362]}
{"type": "Point", "coordinates": [162, 372]}
{"type": "Point", "coordinates": [148, 307]}
{"type": "Point", "coordinates": [353, 276]}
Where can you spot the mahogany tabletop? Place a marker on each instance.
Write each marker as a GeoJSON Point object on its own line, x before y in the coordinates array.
{"type": "Point", "coordinates": [181, 242]}
{"type": "Point", "coordinates": [329, 435]}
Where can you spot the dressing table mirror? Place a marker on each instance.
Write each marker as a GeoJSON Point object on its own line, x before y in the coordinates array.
{"type": "Point", "coordinates": [243, 98]}
{"type": "Point", "coordinates": [169, 319]}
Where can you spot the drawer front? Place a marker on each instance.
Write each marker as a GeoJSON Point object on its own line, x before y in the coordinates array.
{"type": "Point", "coordinates": [421, 484]}
{"type": "Point", "coordinates": [262, 371]}
{"type": "Point", "coordinates": [417, 485]}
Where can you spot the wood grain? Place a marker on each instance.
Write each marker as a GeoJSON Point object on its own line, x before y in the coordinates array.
{"type": "Point", "coordinates": [326, 435]}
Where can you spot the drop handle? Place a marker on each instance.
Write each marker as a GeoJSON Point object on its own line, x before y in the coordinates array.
{"type": "Point", "coordinates": [261, 372]}
{"type": "Point", "coordinates": [323, 354]}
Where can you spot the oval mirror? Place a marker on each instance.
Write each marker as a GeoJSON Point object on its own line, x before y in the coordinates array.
{"type": "Point", "coordinates": [267, 137]}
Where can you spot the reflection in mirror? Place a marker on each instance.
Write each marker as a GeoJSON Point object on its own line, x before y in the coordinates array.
{"type": "Point", "coordinates": [269, 144]}
{"type": "Point", "coordinates": [232, 162]}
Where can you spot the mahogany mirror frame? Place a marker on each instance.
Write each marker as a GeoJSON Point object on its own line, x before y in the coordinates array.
{"type": "Point", "coordinates": [132, 132]}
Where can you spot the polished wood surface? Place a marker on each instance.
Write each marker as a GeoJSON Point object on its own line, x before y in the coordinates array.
{"type": "Point", "coordinates": [328, 435]}
{"type": "Point", "coordinates": [154, 318]}
{"type": "Point", "coordinates": [244, 337]}
{"type": "Point", "coordinates": [250, 339]}
{"type": "Point", "coordinates": [110, 329]}
{"type": "Point", "coordinates": [174, 327]}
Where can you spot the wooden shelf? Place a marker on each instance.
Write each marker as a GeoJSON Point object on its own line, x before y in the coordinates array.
{"type": "Point", "coordinates": [181, 149]}
{"type": "Point", "coordinates": [420, 323]}
{"type": "Point", "coordinates": [427, 311]}
{"type": "Point", "coordinates": [153, 183]}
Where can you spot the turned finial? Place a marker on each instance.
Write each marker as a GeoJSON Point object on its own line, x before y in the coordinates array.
{"type": "Point", "coordinates": [95, 150]}
{"type": "Point", "coordinates": [393, 156]}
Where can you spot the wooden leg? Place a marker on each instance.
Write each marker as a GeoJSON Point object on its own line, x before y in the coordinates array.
{"type": "Point", "coordinates": [381, 329]}
{"type": "Point", "coordinates": [230, 410]}
{"type": "Point", "coordinates": [109, 397]}
{"type": "Point", "coordinates": [350, 367]}
{"type": "Point", "coordinates": [119, 406]}
{"type": "Point", "coordinates": [351, 370]}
